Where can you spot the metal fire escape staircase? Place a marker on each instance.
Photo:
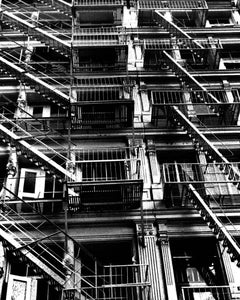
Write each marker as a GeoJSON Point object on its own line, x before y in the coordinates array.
{"type": "Point", "coordinates": [59, 5]}
{"type": "Point", "coordinates": [93, 281]}
{"type": "Point", "coordinates": [30, 150]}
{"type": "Point", "coordinates": [179, 117]}
{"type": "Point", "coordinates": [51, 89]}
{"type": "Point", "coordinates": [21, 242]}
{"type": "Point", "coordinates": [102, 283]}
{"type": "Point", "coordinates": [16, 132]}
{"type": "Point", "coordinates": [24, 21]}
{"type": "Point", "coordinates": [11, 60]}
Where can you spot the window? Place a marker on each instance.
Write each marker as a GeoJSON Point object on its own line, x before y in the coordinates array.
{"type": "Point", "coordinates": [217, 18]}
{"type": "Point", "coordinates": [38, 111]}
{"type": "Point", "coordinates": [31, 184]}
{"type": "Point", "coordinates": [197, 268]}
{"type": "Point", "coordinates": [19, 288]}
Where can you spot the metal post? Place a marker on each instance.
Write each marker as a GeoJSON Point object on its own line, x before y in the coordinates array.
{"type": "Point", "coordinates": [96, 279]}
{"type": "Point", "coordinates": [111, 281]}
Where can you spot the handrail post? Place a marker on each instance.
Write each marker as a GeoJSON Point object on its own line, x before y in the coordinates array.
{"type": "Point", "coordinates": [111, 281]}
{"type": "Point", "coordinates": [96, 279]}
{"type": "Point", "coordinates": [183, 294]}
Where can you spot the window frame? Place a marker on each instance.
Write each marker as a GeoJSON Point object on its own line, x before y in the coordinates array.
{"type": "Point", "coordinates": [39, 188]}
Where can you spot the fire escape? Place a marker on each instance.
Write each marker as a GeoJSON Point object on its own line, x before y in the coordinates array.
{"type": "Point", "coordinates": [197, 182]}
{"type": "Point", "coordinates": [88, 177]}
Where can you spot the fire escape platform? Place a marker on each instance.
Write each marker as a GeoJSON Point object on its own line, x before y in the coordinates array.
{"type": "Point", "coordinates": [99, 37]}
{"type": "Point", "coordinates": [97, 4]}
{"type": "Point", "coordinates": [108, 194]}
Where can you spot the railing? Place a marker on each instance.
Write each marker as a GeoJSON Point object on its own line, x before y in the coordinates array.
{"type": "Point", "coordinates": [106, 195]}
{"type": "Point", "coordinates": [92, 66]}
{"type": "Point", "coordinates": [100, 120]}
{"type": "Point", "coordinates": [108, 164]}
{"type": "Point", "coordinates": [173, 4]}
{"type": "Point", "coordinates": [126, 274]}
{"type": "Point", "coordinates": [60, 5]}
{"type": "Point", "coordinates": [197, 103]}
{"type": "Point", "coordinates": [121, 282]}
{"type": "Point", "coordinates": [44, 123]}
{"type": "Point", "coordinates": [90, 82]}
{"type": "Point", "coordinates": [197, 97]}
{"type": "Point", "coordinates": [107, 178]}
{"type": "Point", "coordinates": [41, 82]}
{"type": "Point", "coordinates": [36, 148]}
{"type": "Point", "coordinates": [208, 292]}
{"type": "Point", "coordinates": [89, 3]}
{"type": "Point", "coordinates": [105, 116]}
{"type": "Point", "coordinates": [215, 224]}
{"type": "Point", "coordinates": [108, 36]}
{"type": "Point", "coordinates": [216, 183]}
{"type": "Point", "coordinates": [199, 173]}
{"type": "Point", "coordinates": [98, 93]}
{"type": "Point", "coordinates": [181, 44]}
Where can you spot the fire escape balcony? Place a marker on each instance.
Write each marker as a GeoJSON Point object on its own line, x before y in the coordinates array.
{"type": "Point", "coordinates": [106, 179]}
{"type": "Point", "coordinates": [121, 282]}
{"type": "Point", "coordinates": [196, 104]}
{"type": "Point", "coordinates": [197, 54]}
{"type": "Point", "coordinates": [102, 102]}
{"type": "Point", "coordinates": [193, 9]}
{"type": "Point", "coordinates": [213, 181]}
{"type": "Point", "coordinates": [99, 37]}
{"type": "Point", "coordinates": [98, 3]}
{"type": "Point", "coordinates": [106, 49]}
{"type": "Point", "coordinates": [210, 292]}
{"type": "Point", "coordinates": [99, 12]}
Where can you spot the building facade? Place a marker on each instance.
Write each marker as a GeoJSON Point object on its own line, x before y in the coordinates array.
{"type": "Point", "coordinates": [119, 139]}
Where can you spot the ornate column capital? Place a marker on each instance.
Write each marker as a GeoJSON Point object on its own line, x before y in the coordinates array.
{"type": "Point", "coordinates": [162, 238]}
{"type": "Point", "coordinates": [151, 147]}
{"type": "Point", "coordinates": [148, 229]}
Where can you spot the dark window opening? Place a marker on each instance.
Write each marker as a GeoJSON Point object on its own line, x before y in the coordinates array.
{"type": "Point", "coordinates": [29, 182]}
{"type": "Point", "coordinates": [37, 111]}
{"type": "Point", "coordinates": [197, 266]}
